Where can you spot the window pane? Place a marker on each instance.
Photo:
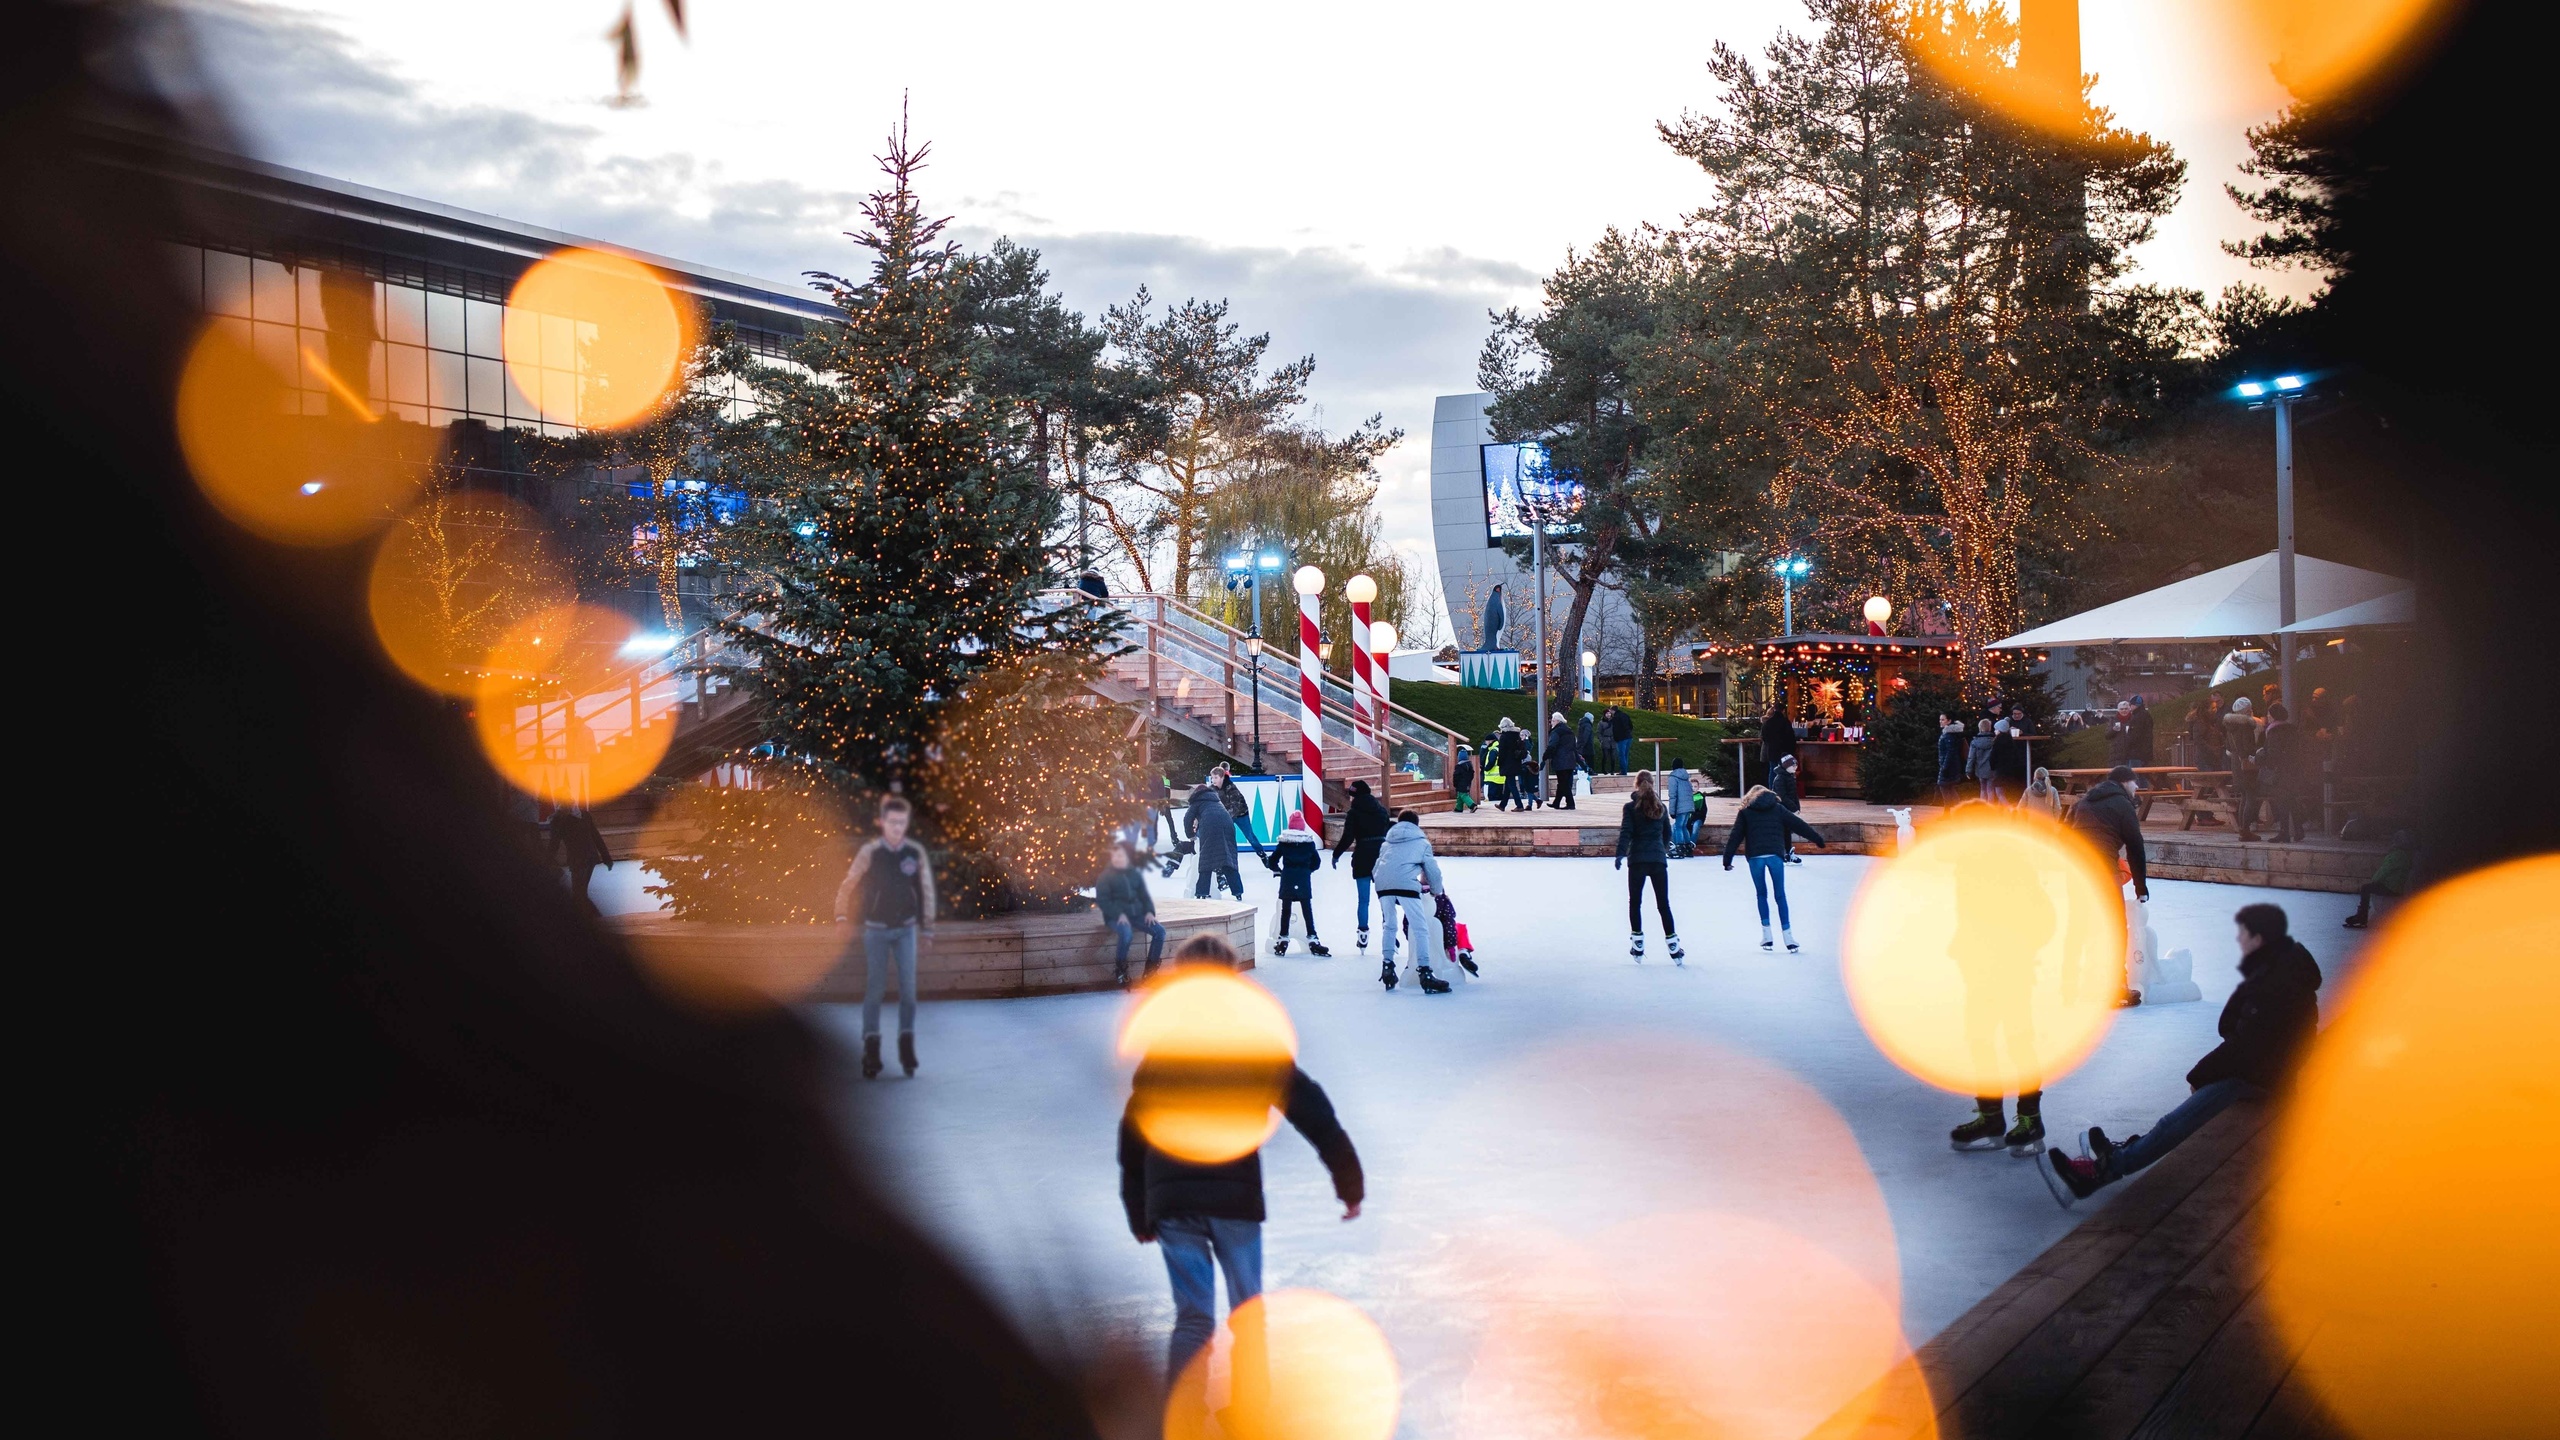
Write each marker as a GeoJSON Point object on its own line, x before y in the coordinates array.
{"type": "Point", "coordinates": [226, 283]}
{"type": "Point", "coordinates": [377, 384]}
{"type": "Point", "coordinates": [408, 375]}
{"type": "Point", "coordinates": [520, 406]}
{"type": "Point", "coordinates": [274, 344]}
{"type": "Point", "coordinates": [488, 393]}
{"type": "Point", "coordinates": [559, 343]}
{"type": "Point", "coordinates": [444, 321]}
{"type": "Point", "coordinates": [559, 396]}
{"type": "Point", "coordinates": [485, 323]}
{"type": "Point", "coordinates": [444, 379]}
{"type": "Point", "coordinates": [307, 282]}
{"type": "Point", "coordinates": [416, 413]}
{"type": "Point", "coordinates": [271, 291]}
{"type": "Point", "coordinates": [442, 418]}
{"type": "Point", "coordinates": [404, 313]}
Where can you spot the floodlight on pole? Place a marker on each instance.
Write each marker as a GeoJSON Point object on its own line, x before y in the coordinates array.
{"type": "Point", "coordinates": [2279, 395]}
{"type": "Point", "coordinates": [1790, 570]}
{"type": "Point", "coordinates": [1270, 559]}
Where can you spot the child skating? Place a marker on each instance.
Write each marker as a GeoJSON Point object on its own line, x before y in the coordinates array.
{"type": "Point", "coordinates": [1405, 866]}
{"type": "Point", "coordinates": [1644, 851]}
{"type": "Point", "coordinates": [1296, 857]}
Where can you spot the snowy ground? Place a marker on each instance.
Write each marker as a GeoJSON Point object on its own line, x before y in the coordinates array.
{"type": "Point", "coordinates": [1569, 1093]}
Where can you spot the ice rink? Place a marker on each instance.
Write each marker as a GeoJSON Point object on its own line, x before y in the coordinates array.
{"type": "Point", "coordinates": [1572, 1107]}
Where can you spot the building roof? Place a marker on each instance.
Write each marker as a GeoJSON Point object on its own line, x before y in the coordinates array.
{"type": "Point", "coordinates": [1781, 646]}
{"type": "Point", "coordinates": [237, 198]}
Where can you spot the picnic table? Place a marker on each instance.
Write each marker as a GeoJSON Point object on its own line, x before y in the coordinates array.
{"type": "Point", "coordinates": [2147, 781]}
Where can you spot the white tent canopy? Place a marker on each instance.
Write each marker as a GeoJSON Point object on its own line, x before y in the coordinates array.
{"type": "Point", "coordinates": [2400, 607]}
{"type": "Point", "coordinates": [2233, 601]}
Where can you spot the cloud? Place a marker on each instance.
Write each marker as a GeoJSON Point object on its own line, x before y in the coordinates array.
{"type": "Point", "coordinates": [1388, 333]}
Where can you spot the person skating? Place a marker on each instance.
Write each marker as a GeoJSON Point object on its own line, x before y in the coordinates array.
{"type": "Point", "coordinates": [1560, 762]}
{"type": "Point", "coordinates": [1128, 911]}
{"type": "Point", "coordinates": [1364, 828]}
{"type": "Point", "coordinates": [2003, 920]}
{"type": "Point", "coordinates": [1644, 850]}
{"type": "Point", "coordinates": [582, 848]}
{"type": "Point", "coordinates": [1212, 832]}
{"type": "Point", "coordinates": [1760, 830]}
{"type": "Point", "coordinates": [889, 890]}
{"type": "Point", "coordinates": [2106, 816]}
{"type": "Point", "coordinates": [1240, 810]}
{"type": "Point", "coordinates": [1405, 864]}
{"type": "Point", "coordinates": [1298, 856]}
{"type": "Point", "coordinates": [1680, 798]}
{"type": "Point", "coordinates": [1777, 734]}
{"type": "Point", "coordinates": [2269, 1019]}
{"type": "Point", "coordinates": [1208, 1218]}
{"type": "Point", "coordinates": [1787, 785]}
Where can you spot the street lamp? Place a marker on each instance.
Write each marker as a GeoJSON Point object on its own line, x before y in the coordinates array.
{"type": "Point", "coordinates": [1382, 654]}
{"type": "Point", "coordinates": [1362, 592]}
{"type": "Point", "coordinates": [1878, 611]}
{"type": "Point", "coordinates": [2278, 395]}
{"type": "Point", "coordinates": [1244, 571]}
{"type": "Point", "coordinates": [1589, 663]}
{"type": "Point", "coordinates": [1789, 571]}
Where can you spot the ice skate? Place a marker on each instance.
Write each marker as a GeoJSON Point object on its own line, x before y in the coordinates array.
{"type": "Point", "coordinates": [870, 1057]}
{"type": "Point", "coordinates": [1361, 941]}
{"type": "Point", "coordinates": [2070, 1178]}
{"type": "Point", "coordinates": [1982, 1132]}
{"type": "Point", "coordinates": [1387, 974]}
{"type": "Point", "coordinates": [1317, 947]}
{"type": "Point", "coordinates": [907, 1053]}
{"type": "Point", "coordinates": [1635, 946]}
{"type": "Point", "coordinates": [1467, 959]}
{"type": "Point", "coordinates": [1432, 984]}
{"type": "Point", "coordinates": [2026, 1138]}
{"type": "Point", "coordinates": [1120, 975]}
{"type": "Point", "coordinates": [1280, 946]}
{"type": "Point", "coordinates": [1678, 956]}
{"type": "Point", "coordinates": [1767, 943]}
{"type": "Point", "coordinates": [1792, 946]}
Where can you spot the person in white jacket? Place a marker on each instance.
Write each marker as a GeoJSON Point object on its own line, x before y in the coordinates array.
{"type": "Point", "coordinates": [1405, 867]}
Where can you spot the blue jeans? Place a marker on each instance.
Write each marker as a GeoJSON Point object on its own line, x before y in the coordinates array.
{"type": "Point", "coordinates": [2203, 1104]}
{"type": "Point", "coordinates": [884, 946]}
{"type": "Point", "coordinates": [1123, 930]}
{"type": "Point", "coordinates": [1770, 872]}
{"type": "Point", "coordinates": [1625, 749]}
{"type": "Point", "coordinates": [1189, 1242]}
{"type": "Point", "coordinates": [1362, 883]}
{"type": "Point", "coordinates": [1683, 830]}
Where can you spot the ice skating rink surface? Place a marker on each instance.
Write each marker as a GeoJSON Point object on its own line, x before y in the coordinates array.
{"type": "Point", "coordinates": [1571, 1113]}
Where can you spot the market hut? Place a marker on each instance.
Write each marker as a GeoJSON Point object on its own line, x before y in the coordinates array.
{"type": "Point", "coordinates": [1833, 683]}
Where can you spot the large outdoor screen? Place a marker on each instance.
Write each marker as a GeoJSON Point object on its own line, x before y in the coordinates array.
{"type": "Point", "coordinates": [1518, 482]}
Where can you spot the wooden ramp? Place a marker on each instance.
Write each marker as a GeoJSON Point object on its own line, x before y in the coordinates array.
{"type": "Point", "coordinates": [2145, 1323]}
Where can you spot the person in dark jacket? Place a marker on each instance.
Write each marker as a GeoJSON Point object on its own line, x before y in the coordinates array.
{"type": "Point", "coordinates": [1585, 736]}
{"type": "Point", "coordinates": [1513, 751]}
{"type": "Point", "coordinates": [1760, 830]}
{"type": "Point", "coordinates": [1644, 850]}
{"type": "Point", "coordinates": [1297, 854]}
{"type": "Point", "coordinates": [1462, 780]}
{"type": "Point", "coordinates": [1777, 734]}
{"type": "Point", "coordinates": [2141, 733]}
{"type": "Point", "coordinates": [1240, 810]}
{"type": "Point", "coordinates": [1364, 826]}
{"type": "Point", "coordinates": [582, 848]}
{"type": "Point", "coordinates": [1561, 761]}
{"type": "Point", "coordinates": [2109, 819]}
{"type": "Point", "coordinates": [1212, 832]}
{"type": "Point", "coordinates": [2285, 770]}
{"type": "Point", "coordinates": [1208, 1218]}
{"type": "Point", "coordinates": [1788, 785]}
{"type": "Point", "coordinates": [2265, 1026]}
{"type": "Point", "coordinates": [1951, 750]}
{"type": "Point", "coordinates": [1128, 911]}
{"type": "Point", "coordinates": [2008, 763]}
{"type": "Point", "coordinates": [2120, 735]}
{"type": "Point", "coordinates": [1622, 736]}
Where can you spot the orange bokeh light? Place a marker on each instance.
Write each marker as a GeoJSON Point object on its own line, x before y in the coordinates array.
{"type": "Point", "coordinates": [1214, 1053]}
{"type": "Point", "coordinates": [2319, 47]}
{"type": "Point", "coordinates": [1987, 958]}
{"type": "Point", "coordinates": [1689, 1324]}
{"type": "Point", "coordinates": [450, 578]}
{"type": "Point", "coordinates": [594, 338]}
{"type": "Point", "coordinates": [290, 476]}
{"type": "Point", "coordinates": [1301, 1365]}
{"type": "Point", "coordinates": [2410, 1230]}
{"type": "Point", "coordinates": [563, 714]}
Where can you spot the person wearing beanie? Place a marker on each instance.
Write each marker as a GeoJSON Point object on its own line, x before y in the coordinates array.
{"type": "Point", "coordinates": [1364, 829]}
{"type": "Point", "coordinates": [1297, 859]}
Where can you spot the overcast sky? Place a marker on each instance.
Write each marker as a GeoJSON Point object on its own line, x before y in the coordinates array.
{"type": "Point", "coordinates": [1364, 180]}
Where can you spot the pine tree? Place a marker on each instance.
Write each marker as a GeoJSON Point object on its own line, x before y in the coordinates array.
{"type": "Point", "coordinates": [911, 534]}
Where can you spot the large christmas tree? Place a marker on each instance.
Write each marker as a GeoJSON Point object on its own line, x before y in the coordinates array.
{"type": "Point", "coordinates": [913, 559]}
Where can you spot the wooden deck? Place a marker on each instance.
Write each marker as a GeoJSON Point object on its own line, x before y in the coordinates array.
{"type": "Point", "coordinates": [2145, 1323]}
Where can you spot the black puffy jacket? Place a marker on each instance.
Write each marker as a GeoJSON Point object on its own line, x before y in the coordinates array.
{"type": "Point", "coordinates": [1123, 892]}
{"type": "Point", "coordinates": [2108, 817]}
{"type": "Point", "coordinates": [2268, 1019]}
{"type": "Point", "coordinates": [1362, 828]}
{"type": "Point", "coordinates": [1761, 827]}
{"type": "Point", "coordinates": [1154, 1185]}
{"type": "Point", "coordinates": [1644, 839]}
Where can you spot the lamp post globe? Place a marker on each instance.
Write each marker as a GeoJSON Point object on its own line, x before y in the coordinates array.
{"type": "Point", "coordinates": [1382, 638]}
{"type": "Point", "coordinates": [1359, 589]}
{"type": "Point", "coordinates": [1878, 611]}
{"type": "Point", "coordinates": [1308, 581]}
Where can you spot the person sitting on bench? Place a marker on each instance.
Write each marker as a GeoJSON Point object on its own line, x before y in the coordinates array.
{"type": "Point", "coordinates": [2265, 1025]}
{"type": "Point", "coordinates": [2392, 877]}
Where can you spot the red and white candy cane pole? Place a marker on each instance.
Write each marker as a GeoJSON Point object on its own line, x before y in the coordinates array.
{"type": "Point", "coordinates": [1361, 591]}
{"type": "Point", "coordinates": [1383, 636]}
{"type": "Point", "coordinates": [1309, 582]}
